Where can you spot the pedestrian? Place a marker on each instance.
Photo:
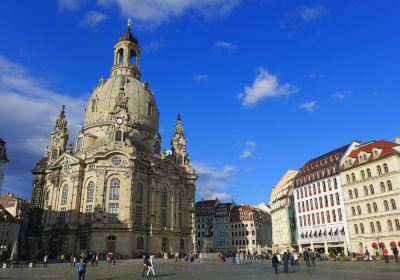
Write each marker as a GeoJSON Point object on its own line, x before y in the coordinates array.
{"type": "Point", "coordinates": [306, 256]}
{"type": "Point", "coordinates": [312, 257]}
{"type": "Point", "coordinates": [81, 268]}
{"type": "Point", "coordinates": [285, 260]}
{"type": "Point", "coordinates": [145, 264]}
{"type": "Point", "coordinates": [233, 257]}
{"type": "Point", "coordinates": [395, 253]}
{"type": "Point", "coordinates": [97, 259]}
{"type": "Point", "coordinates": [275, 263]}
{"type": "Point", "coordinates": [45, 259]}
{"type": "Point", "coordinates": [151, 267]}
{"type": "Point", "coordinates": [386, 255]}
{"type": "Point", "coordinates": [114, 260]}
{"type": "Point", "coordinates": [62, 258]}
{"type": "Point", "coordinates": [296, 258]}
{"type": "Point", "coordinates": [73, 261]}
{"type": "Point", "coordinates": [176, 257]}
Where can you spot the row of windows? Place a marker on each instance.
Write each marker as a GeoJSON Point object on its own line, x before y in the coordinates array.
{"type": "Point", "coordinates": [327, 171]}
{"type": "Point", "coordinates": [371, 189]}
{"type": "Point", "coordinates": [243, 242]}
{"type": "Point", "coordinates": [374, 206]}
{"type": "Point", "coordinates": [242, 233]}
{"type": "Point", "coordinates": [309, 191]}
{"type": "Point", "coordinates": [319, 218]}
{"type": "Point", "coordinates": [378, 228]}
{"type": "Point", "coordinates": [368, 173]}
{"type": "Point", "coordinates": [323, 201]}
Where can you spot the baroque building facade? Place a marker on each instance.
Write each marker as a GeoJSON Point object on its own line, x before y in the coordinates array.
{"type": "Point", "coordinates": [319, 203]}
{"type": "Point", "coordinates": [115, 191]}
{"type": "Point", "coordinates": [371, 185]}
{"type": "Point", "coordinates": [282, 213]}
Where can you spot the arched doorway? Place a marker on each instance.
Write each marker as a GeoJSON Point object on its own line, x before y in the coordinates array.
{"type": "Point", "coordinates": [164, 245]}
{"type": "Point", "coordinates": [111, 244]}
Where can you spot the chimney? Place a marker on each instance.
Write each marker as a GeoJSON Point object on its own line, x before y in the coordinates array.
{"type": "Point", "coordinates": [398, 140]}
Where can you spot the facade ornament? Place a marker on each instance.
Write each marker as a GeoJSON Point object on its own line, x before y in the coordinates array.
{"type": "Point", "coordinates": [121, 100]}
{"type": "Point", "coordinates": [61, 123]}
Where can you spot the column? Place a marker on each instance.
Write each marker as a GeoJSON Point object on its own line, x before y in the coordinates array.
{"type": "Point", "coordinates": [326, 247]}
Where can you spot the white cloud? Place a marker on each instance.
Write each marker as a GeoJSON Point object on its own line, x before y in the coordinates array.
{"type": "Point", "coordinates": [200, 78]}
{"type": "Point", "coordinates": [249, 149]}
{"type": "Point", "coordinates": [265, 85]}
{"type": "Point", "coordinates": [309, 106]}
{"type": "Point", "coordinates": [71, 5]}
{"type": "Point", "coordinates": [28, 111]}
{"type": "Point", "coordinates": [152, 46]}
{"type": "Point", "coordinates": [213, 181]}
{"type": "Point", "coordinates": [92, 19]}
{"type": "Point", "coordinates": [311, 12]}
{"type": "Point", "coordinates": [152, 13]}
{"type": "Point", "coordinates": [224, 45]}
{"type": "Point", "coordinates": [340, 95]}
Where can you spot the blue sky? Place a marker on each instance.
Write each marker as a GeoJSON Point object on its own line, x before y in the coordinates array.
{"type": "Point", "coordinates": [262, 86]}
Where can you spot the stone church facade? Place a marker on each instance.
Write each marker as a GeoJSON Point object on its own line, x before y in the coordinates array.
{"type": "Point", "coordinates": [114, 191]}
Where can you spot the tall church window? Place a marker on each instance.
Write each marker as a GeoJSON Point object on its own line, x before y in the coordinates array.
{"type": "Point", "coordinates": [118, 135]}
{"type": "Point", "coordinates": [90, 192]}
{"type": "Point", "coordinates": [94, 106]}
{"type": "Point", "coordinates": [164, 204]}
{"type": "Point", "coordinates": [114, 189]}
{"type": "Point", "coordinates": [64, 195]}
{"type": "Point", "coordinates": [113, 211]}
{"type": "Point", "coordinates": [140, 243]}
{"type": "Point", "coordinates": [150, 108]}
{"type": "Point", "coordinates": [139, 192]}
{"type": "Point", "coordinates": [120, 56]}
{"type": "Point", "coordinates": [88, 214]}
{"type": "Point", "coordinates": [61, 217]}
{"type": "Point", "coordinates": [54, 154]}
{"type": "Point", "coordinates": [138, 215]}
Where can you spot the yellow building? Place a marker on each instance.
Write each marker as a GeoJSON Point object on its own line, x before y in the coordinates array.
{"type": "Point", "coordinates": [115, 191]}
{"type": "Point", "coordinates": [371, 187]}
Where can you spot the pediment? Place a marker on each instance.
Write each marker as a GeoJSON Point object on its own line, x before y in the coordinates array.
{"type": "Point", "coordinates": [66, 157]}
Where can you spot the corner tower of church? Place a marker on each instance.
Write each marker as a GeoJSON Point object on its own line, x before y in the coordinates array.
{"type": "Point", "coordinates": [114, 191]}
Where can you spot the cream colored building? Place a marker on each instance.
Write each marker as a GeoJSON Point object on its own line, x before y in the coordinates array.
{"type": "Point", "coordinates": [282, 232]}
{"type": "Point", "coordinates": [371, 186]}
{"type": "Point", "coordinates": [115, 191]}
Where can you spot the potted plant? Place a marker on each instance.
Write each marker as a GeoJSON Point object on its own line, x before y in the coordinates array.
{"type": "Point", "coordinates": [354, 256]}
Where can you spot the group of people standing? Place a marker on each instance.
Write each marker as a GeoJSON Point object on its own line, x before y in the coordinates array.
{"type": "Point", "coordinates": [293, 258]}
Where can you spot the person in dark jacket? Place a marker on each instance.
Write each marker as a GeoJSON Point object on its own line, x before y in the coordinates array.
{"type": "Point", "coordinates": [275, 263]}
{"type": "Point", "coordinates": [145, 264]}
{"type": "Point", "coordinates": [306, 256]}
{"type": "Point", "coordinates": [81, 268]}
{"type": "Point", "coordinates": [395, 253]}
{"type": "Point", "coordinates": [285, 260]}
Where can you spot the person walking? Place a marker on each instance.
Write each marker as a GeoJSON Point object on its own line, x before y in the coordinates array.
{"type": "Point", "coordinates": [145, 264]}
{"type": "Point", "coordinates": [312, 257]}
{"type": "Point", "coordinates": [176, 257]}
{"type": "Point", "coordinates": [285, 260]}
{"type": "Point", "coordinates": [275, 263]}
{"type": "Point", "coordinates": [45, 259]}
{"type": "Point", "coordinates": [114, 260]}
{"type": "Point", "coordinates": [386, 255]}
{"type": "Point", "coordinates": [395, 253]}
{"type": "Point", "coordinates": [150, 268]}
{"type": "Point", "coordinates": [74, 261]}
{"type": "Point", "coordinates": [62, 258]}
{"type": "Point", "coordinates": [81, 268]}
{"type": "Point", "coordinates": [306, 256]}
{"type": "Point", "coordinates": [296, 258]}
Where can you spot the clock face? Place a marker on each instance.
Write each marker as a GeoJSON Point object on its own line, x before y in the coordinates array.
{"type": "Point", "coordinates": [58, 140]}
{"type": "Point", "coordinates": [119, 120]}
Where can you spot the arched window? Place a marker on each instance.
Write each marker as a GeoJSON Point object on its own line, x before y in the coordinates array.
{"type": "Point", "coordinates": [140, 243]}
{"type": "Point", "coordinates": [390, 225]}
{"type": "Point", "coordinates": [368, 172]}
{"type": "Point", "coordinates": [356, 228]}
{"type": "Point", "coordinates": [353, 210]}
{"type": "Point", "coordinates": [94, 106]}
{"type": "Point", "coordinates": [90, 192]}
{"type": "Point", "coordinates": [118, 135]}
{"type": "Point", "coordinates": [393, 202]}
{"type": "Point", "coordinates": [335, 183]}
{"type": "Point", "coordinates": [355, 193]}
{"type": "Point", "coordinates": [114, 189]}
{"type": "Point", "coordinates": [120, 56]}
{"type": "Point", "coordinates": [365, 190]}
{"type": "Point", "coordinates": [139, 192]}
{"type": "Point", "coordinates": [362, 228]}
{"type": "Point", "coordinates": [383, 188]}
{"type": "Point", "coordinates": [54, 154]}
{"type": "Point", "coordinates": [379, 170]}
{"type": "Point", "coordinates": [397, 223]}
{"type": "Point", "coordinates": [132, 57]}
{"type": "Point", "coordinates": [371, 189]}
{"type": "Point", "coordinates": [350, 194]}
{"type": "Point", "coordinates": [353, 177]}
{"type": "Point", "coordinates": [362, 174]}
{"type": "Point", "coordinates": [164, 203]}
{"type": "Point", "coordinates": [378, 226]}
{"type": "Point", "coordinates": [323, 186]}
{"type": "Point", "coordinates": [386, 205]}
{"type": "Point", "coordinates": [375, 207]}
{"type": "Point", "coordinates": [385, 168]}
{"type": "Point", "coordinates": [372, 226]}
{"type": "Point", "coordinates": [348, 178]}
{"type": "Point", "coordinates": [64, 195]}
{"type": "Point", "coordinates": [182, 245]}
{"type": "Point", "coordinates": [359, 210]}
{"type": "Point", "coordinates": [389, 184]}
{"type": "Point", "coordinates": [329, 184]}
{"type": "Point", "coordinates": [369, 208]}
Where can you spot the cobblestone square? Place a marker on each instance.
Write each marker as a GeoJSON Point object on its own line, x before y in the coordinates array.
{"type": "Point", "coordinates": [168, 269]}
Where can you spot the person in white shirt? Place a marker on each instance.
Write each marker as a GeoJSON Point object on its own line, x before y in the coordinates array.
{"type": "Point", "coordinates": [150, 267]}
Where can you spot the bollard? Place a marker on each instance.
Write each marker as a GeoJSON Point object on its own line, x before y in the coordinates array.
{"type": "Point", "coordinates": [30, 265]}
{"type": "Point", "coordinates": [4, 265]}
